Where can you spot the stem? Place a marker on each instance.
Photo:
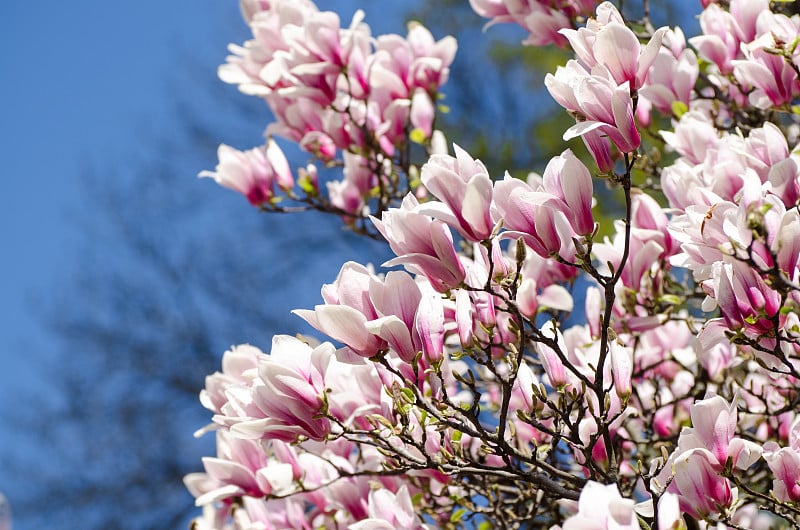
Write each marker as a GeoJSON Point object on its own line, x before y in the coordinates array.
{"type": "Point", "coordinates": [610, 297]}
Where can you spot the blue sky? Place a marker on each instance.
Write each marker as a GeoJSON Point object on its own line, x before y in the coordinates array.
{"type": "Point", "coordinates": [80, 80]}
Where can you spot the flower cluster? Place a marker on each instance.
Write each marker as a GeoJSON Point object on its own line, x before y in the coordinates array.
{"type": "Point", "coordinates": [521, 370]}
{"type": "Point", "coordinates": [344, 96]}
{"type": "Point", "coordinates": [543, 19]}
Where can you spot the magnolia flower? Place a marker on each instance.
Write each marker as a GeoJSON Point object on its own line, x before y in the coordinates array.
{"type": "Point", "coordinates": [239, 369]}
{"type": "Point", "coordinates": [422, 244]}
{"type": "Point", "coordinates": [396, 299]}
{"type": "Point", "coordinates": [539, 17]}
{"type": "Point", "coordinates": [530, 298]}
{"type": "Point", "coordinates": [672, 75]}
{"type": "Point", "coordinates": [390, 511]}
{"type": "Point", "coordinates": [714, 423]}
{"type": "Point", "coordinates": [568, 179]}
{"type": "Point", "coordinates": [351, 193]}
{"type": "Point", "coordinates": [721, 37]}
{"type": "Point", "coordinates": [599, 104]}
{"type": "Point", "coordinates": [549, 213]}
{"type": "Point", "coordinates": [786, 245]}
{"type": "Point", "coordinates": [288, 394]}
{"type": "Point", "coordinates": [615, 46]}
{"type": "Point", "coordinates": [557, 375]}
{"type": "Point", "coordinates": [346, 311]}
{"type": "Point", "coordinates": [774, 79]}
{"type": "Point", "coordinates": [465, 189]}
{"type": "Point", "coordinates": [744, 298]}
{"type": "Point", "coordinates": [784, 462]}
{"type": "Point", "coordinates": [700, 488]}
{"type": "Point", "coordinates": [601, 507]}
{"type": "Point", "coordinates": [232, 473]}
{"type": "Point", "coordinates": [621, 368]}
{"type": "Point", "coordinates": [694, 469]}
{"type": "Point", "coordinates": [252, 173]}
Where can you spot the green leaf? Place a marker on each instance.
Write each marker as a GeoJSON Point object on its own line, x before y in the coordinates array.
{"type": "Point", "coordinates": [306, 185]}
{"type": "Point", "coordinates": [679, 108]}
{"type": "Point", "coordinates": [458, 515]}
{"type": "Point", "coordinates": [670, 299]}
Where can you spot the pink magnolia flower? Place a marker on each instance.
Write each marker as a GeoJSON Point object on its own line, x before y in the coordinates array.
{"type": "Point", "coordinates": [694, 135]}
{"type": "Point", "coordinates": [397, 301]}
{"type": "Point", "coordinates": [478, 319]}
{"type": "Point", "coordinates": [239, 367]}
{"type": "Point", "coordinates": [332, 87]}
{"type": "Point", "coordinates": [543, 271]}
{"type": "Point", "coordinates": [268, 21]}
{"type": "Point", "coordinates": [400, 65]}
{"type": "Point", "coordinates": [606, 108]}
{"type": "Point", "coordinates": [669, 512]}
{"type": "Point", "coordinates": [530, 298]}
{"type": "Point", "coordinates": [621, 368]}
{"type": "Point", "coordinates": [538, 218]}
{"type": "Point", "coordinates": [784, 179]}
{"type": "Point", "coordinates": [346, 311]}
{"type": "Point", "coordinates": [673, 74]}
{"type": "Point", "coordinates": [714, 351]}
{"type": "Point", "coordinates": [701, 489]}
{"type": "Point", "coordinates": [544, 25]}
{"type": "Point", "coordinates": [648, 215]}
{"type": "Point", "coordinates": [557, 375]}
{"type": "Point", "coordinates": [568, 179]}
{"type": "Point", "coordinates": [744, 298]}
{"type": "Point", "coordinates": [547, 214]}
{"type": "Point", "coordinates": [522, 395]}
{"type": "Point", "coordinates": [422, 244]}
{"type": "Point", "coordinates": [599, 104]}
{"type": "Point", "coordinates": [601, 507]}
{"type": "Point", "coordinates": [290, 393]}
{"type": "Point", "coordinates": [465, 189]}
{"type": "Point", "coordinates": [721, 37]}
{"type": "Point", "coordinates": [773, 77]}
{"type": "Point", "coordinates": [229, 394]}
{"type": "Point", "coordinates": [784, 462]}
{"type": "Point", "coordinates": [702, 453]}
{"type": "Point", "coordinates": [642, 278]}
{"type": "Point", "coordinates": [540, 18]}
{"type": "Point", "coordinates": [422, 112]}
{"type": "Point", "coordinates": [786, 245]}
{"type": "Point", "coordinates": [746, 14]}
{"type": "Point", "coordinates": [352, 192]}
{"type": "Point", "coordinates": [684, 186]}
{"type": "Point", "coordinates": [431, 59]}
{"type": "Point", "coordinates": [250, 8]}
{"type": "Point", "coordinates": [593, 307]}
{"type": "Point", "coordinates": [429, 324]}
{"type": "Point", "coordinates": [253, 173]}
{"type": "Point", "coordinates": [390, 511]}
{"type": "Point", "coordinates": [705, 236]}
{"type": "Point", "coordinates": [714, 423]}
{"type": "Point", "coordinates": [241, 468]}
{"type": "Point", "coordinates": [608, 42]}
{"type": "Point", "coordinates": [643, 271]}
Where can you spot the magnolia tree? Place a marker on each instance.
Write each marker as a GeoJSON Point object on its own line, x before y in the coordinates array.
{"type": "Point", "coordinates": [467, 389]}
